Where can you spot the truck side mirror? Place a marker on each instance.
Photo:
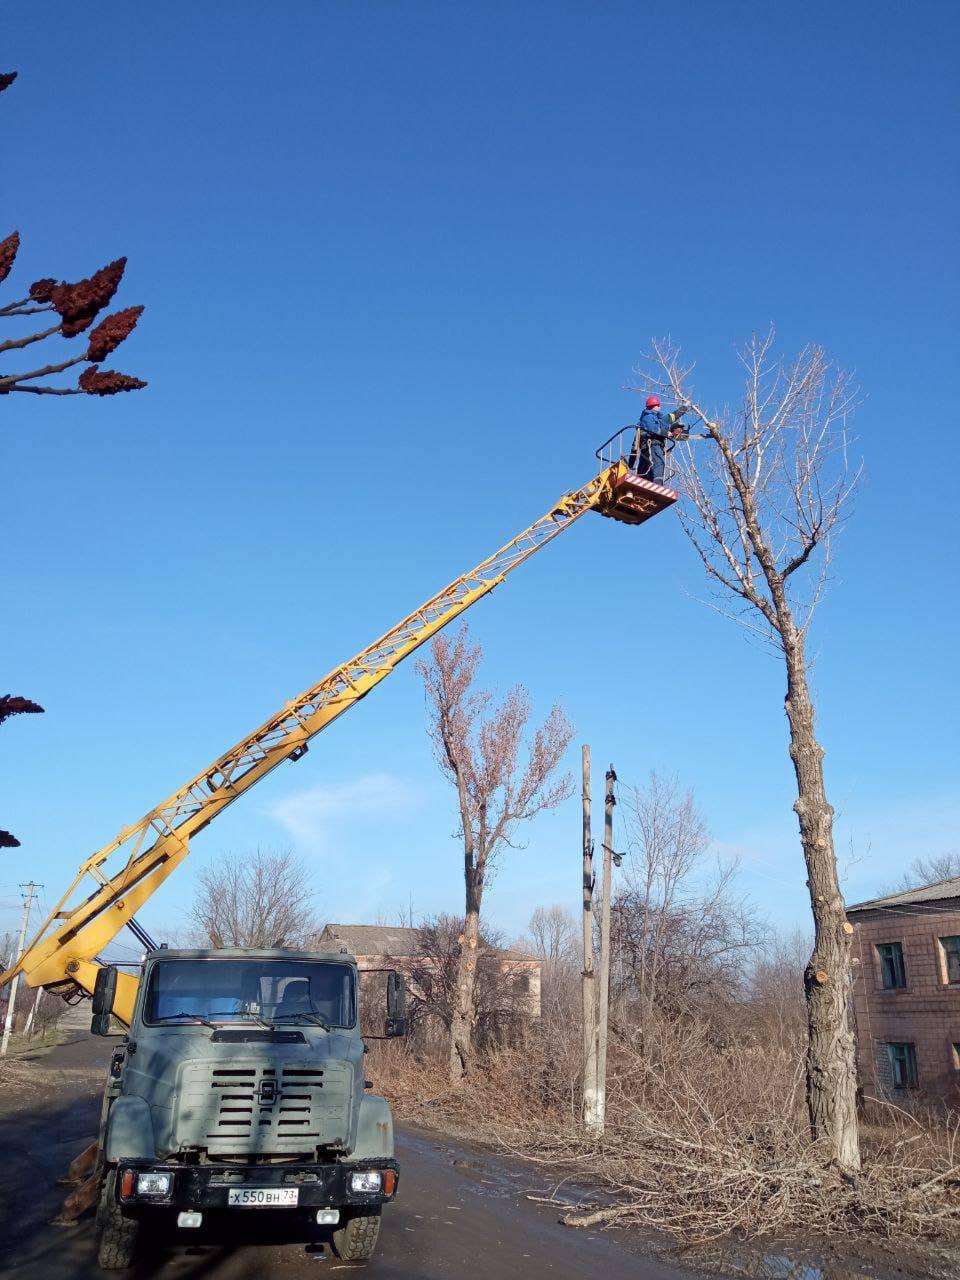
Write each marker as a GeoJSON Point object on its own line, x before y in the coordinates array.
{"type": "Point", "coordinates": [396, 1024]}
{"type": "Point", "coordinates": [104, 991]}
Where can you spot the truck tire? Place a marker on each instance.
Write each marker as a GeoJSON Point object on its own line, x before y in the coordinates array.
{"type": "Point", "coordinates": [356, 1240]}
{"type": "Point", "coordinates": [116, 1235]}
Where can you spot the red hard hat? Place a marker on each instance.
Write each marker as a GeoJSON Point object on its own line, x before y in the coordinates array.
{"type": "Point", "coordinates": [653, 402]}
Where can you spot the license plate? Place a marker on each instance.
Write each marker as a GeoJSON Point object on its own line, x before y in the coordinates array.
{"type": "Point", "coordinates": [263, 1197]}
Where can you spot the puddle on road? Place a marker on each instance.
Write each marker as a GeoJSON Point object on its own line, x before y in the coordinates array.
{"type": "Point", "coordinates": [741, 1261]}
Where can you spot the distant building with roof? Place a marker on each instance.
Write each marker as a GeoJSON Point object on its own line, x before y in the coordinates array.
{"type": "Point", "coordinates": [906, 992]}
{"type": "Point", "coordinates": [376, 945]}
{"type": "Point", "coordinates": [370, 942]}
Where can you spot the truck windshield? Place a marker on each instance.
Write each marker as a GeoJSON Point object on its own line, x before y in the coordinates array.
{"type": "Point", "coordinates": [235, 990]}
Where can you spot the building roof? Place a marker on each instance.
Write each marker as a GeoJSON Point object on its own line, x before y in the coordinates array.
{"type": "Point", "coordinates": [374, 939]}
{"type": "Point", "coordinates": [935, 892]}
{"type": "Point", "coordinates": [389, 940]}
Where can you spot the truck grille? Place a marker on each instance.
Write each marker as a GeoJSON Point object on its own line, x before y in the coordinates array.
{"type": "Point", "coordinates": [248, 1107]}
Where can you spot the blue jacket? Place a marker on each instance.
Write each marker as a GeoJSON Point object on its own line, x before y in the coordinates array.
{"type": "Point", "coordinates": [655, 423]}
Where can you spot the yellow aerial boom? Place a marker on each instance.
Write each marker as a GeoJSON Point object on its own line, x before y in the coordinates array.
{"type": "Point", "coordinates": [62, 956]}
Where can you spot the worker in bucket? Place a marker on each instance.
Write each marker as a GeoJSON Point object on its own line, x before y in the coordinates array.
{"type": "Point", "coordinates": [649, 442]}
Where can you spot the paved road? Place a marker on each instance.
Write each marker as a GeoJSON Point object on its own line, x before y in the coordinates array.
{"type": "Point", "coordinates": [459, 1213]}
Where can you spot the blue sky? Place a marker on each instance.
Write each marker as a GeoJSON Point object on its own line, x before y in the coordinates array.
{"type": "Point", "coordinates": [398, 263]}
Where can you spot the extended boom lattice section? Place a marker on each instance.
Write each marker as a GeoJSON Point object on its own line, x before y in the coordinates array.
{"type": "Point", "coordinates": [61, 956]}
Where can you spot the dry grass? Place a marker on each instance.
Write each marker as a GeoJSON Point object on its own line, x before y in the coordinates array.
{"type": "Point", "coordinates": [25, 1078]}
{"type": "Point", "coordinates": [700, 1141]}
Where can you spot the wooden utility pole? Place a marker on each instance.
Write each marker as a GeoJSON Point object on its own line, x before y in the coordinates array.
{"type": "Point", "coordinates": [604, 1001]}
{"type": "Point", "coordinates": [31, 893]}
{"type": "Point", "coordinates": [591, 1118]}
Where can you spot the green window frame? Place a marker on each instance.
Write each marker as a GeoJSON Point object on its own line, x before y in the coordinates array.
{"type": "Point", "coordinates": [902, 1056]}
{"type": "Point", "coordinates": [893, 971]}
{"type": "Point", "coordinates": [951, 958]}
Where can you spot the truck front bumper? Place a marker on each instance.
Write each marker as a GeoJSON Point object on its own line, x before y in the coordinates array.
{"type": "Point", "coordinates": [208, 1186]}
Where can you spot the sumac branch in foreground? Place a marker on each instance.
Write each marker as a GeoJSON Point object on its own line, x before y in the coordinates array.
{"type": "Point", "coordinates": [76, 306]}
{"type": "Point", "coordinates": [72, 308]}
{"type": "Point", "coordinates": [12, 704]}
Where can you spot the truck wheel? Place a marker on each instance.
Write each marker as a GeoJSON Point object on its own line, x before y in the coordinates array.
{"type": "Point", "coordinates": [116, 1235]}
{"type": "Point", "coordinates": [356, 1240]}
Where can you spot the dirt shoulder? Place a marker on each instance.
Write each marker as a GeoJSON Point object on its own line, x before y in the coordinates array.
{"type": "Point", "coordinates": [73, 1067]}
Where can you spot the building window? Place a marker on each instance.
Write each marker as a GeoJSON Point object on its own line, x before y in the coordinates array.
{"type": "Point", "coordinates": [893, 973]}
{"type": "Point", "coordinates": [521, 984]}
{"type": "Point", "coordinates": [951, 958]}
{"type": "Point", "coordinates": [903, 1065]}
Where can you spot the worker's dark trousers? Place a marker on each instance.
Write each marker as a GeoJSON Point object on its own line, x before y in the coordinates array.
{"type": "Point", "coordinates": [649, 462]}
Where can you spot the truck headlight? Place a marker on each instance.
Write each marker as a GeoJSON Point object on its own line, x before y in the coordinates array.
{"type": "Point", "coordinates": [366, 1180]}
{"type": "Point", "coordinates": [154, 1184]}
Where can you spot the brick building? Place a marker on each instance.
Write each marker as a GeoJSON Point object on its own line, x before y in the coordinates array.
{"type": "Point", "coordinates": [374, 945]}
{"type": "Point", "coordinates": [906, 992]}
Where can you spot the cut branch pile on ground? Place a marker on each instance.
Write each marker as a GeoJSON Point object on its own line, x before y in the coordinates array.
{"type": "Point", "coordinates": [700, 1142]}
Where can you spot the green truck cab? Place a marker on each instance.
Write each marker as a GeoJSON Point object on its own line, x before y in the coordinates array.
{"type": "Point", "coordinates": [240, 1088]}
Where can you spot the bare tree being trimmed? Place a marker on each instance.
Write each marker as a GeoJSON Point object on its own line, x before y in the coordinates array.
{"type": "Point", "coordinates": [763, 502]}
{"type": "Point", "coordinates": [259, 899]}
{"type": "Point", "coordinates": [498, 785]}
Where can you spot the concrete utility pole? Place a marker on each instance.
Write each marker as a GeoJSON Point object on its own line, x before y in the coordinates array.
{"type": "Point", "coordinates": [31, 889]}
{"type": "Point", "coordinates": [608, 856]}
{"type": "Point", "coordinates": [28, 1025]}
{"type": "Point", "coordinates": [591, 1117]}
